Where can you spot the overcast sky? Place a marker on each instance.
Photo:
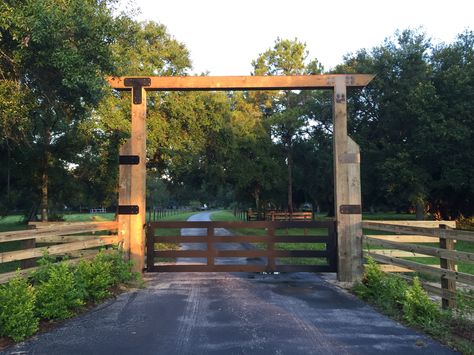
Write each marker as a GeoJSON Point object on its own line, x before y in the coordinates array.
{"type": "Point", "coordinates": [225, 36]}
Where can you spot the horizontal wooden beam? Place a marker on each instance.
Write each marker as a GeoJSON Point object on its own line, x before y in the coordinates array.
{"type": "Point", "coordinates": [398, 253]}
{"type": "Point", "coordinates": [405, 238]}
{"type": "Point", "coordinates": [452, 275]}
{"type": "Point", "coordinates": [239, 268]}
{"type": "Point", "coordinates": [229, 83]}
{"type": "Point", "coordinates": [42, 234]}
{"type": "Point", "coordinates": [57, 249]}
{"type": "Point", "coordinates": [242, 239]}
{"type": "Point", "coordinates": [422, 249]}
{"type": "Point", "coordinates": [398, 269]}
{"type": "Point", "coordinates": [426, 224]}
{"type": "Point", "coordinates": [434, 232]}
{"type": "Point", "coordinates": [241, 253]}
{"type": "Point", "coordinates": [238, 225]}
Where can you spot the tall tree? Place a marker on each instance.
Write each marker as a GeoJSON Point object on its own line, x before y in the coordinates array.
{"type": "Point", "coordinates": [60, 52]}
{"type": "Point", "coordinates": [286, 119]}
{"type": "Point", "coordinates": [414, 123]}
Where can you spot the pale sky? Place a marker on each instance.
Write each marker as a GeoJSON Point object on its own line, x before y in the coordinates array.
{"type": "Point", "coordinates": [224, 37]}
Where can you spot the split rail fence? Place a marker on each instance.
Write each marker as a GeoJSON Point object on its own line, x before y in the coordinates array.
{"type": "Point", "coordinates": [408, 239]}
{"type": "Point", "coordinates": [72, 241]}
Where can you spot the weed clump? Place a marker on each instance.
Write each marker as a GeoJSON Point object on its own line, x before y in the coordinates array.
{"type": "Point", "coordinates": [410, 303]}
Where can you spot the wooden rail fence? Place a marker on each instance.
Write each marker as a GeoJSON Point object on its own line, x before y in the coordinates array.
{"type": "Point", "coordinates": [74, 240]}
{"type": "Point", "coordinates": [394, 252]}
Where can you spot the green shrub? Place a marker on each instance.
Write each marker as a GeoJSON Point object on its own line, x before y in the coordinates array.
{"type": "Point", "coordinates": [17, 309]}
{"type": "Point", "coordinates": [372, 280]}
{"type": "Point", "coordinates": [41, 274]}
{"type": "Point", "coordinates": [384, 290]}
{"type": "Point", "coordinates": [58, 296]}
{"type": "Point", "coordinates": [94, 279]}
{"type": "Point", "coordinates": [392, 294]}
{"type": "Point", "coordinates": [417, 307]}
{"type": "Point", "coordinates": [121, 270]}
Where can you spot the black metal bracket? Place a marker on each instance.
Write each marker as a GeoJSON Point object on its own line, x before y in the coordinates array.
{"type": "Point", "coordinates": [129, 159]}
{"type": "Point", "coordinates": [350, 209]}
{"type": "Point", "coordinates": [136, 84]}
{"type": "Point", "coordinates": [128, 209]}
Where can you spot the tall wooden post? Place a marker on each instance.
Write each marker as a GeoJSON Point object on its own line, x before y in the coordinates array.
{"type": "Point", "coordinates": [125, 178]}
{"type": "Point", "coordinates": [138, 179]}
{"type": "Point", "coordinates": [448, 301]}
{"type": "Point", "coordinates": [347, 199]}
{"type": "Point", "coordinates": [355, 199]}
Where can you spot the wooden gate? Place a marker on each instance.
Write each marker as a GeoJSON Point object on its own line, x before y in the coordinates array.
{"type": "Point", "coordinates": [208, 246]}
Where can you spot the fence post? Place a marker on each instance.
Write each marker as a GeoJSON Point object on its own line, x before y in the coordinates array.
{"type": "Point", "coordinates": [150, 248]}
{"type": "Point", "coordinates": [447, 264]}
{"type": "Point", "coordinates": [28, 244]}
{"type": "Point", "coordinates": [271, 232]}
{"type": "Point", "coordinates": [210, 246]}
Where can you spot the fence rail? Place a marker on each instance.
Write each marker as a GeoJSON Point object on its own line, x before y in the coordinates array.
{"type": "Point", "coordinates": [394, 251]}
{"type": "Point", "coordinates": [75, 240]}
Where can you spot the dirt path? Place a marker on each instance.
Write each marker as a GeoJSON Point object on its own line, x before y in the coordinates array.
{"type": "Point", "coordinates": [223, 313]}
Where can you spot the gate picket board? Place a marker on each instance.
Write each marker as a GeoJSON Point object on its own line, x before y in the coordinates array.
{"type": "Point", "coordinates": [269, 239]}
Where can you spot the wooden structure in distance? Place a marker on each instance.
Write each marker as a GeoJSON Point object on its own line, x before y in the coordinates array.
{"type": "Point", "coordinates": [347, 196]}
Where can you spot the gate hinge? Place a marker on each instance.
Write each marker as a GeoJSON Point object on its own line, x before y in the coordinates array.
{"type": "Point", "coordinates": [129, 159]}
{"type": "Point", "coordinates": [128, 209]}
{"type": "Point", "coordinates": [350, 209]}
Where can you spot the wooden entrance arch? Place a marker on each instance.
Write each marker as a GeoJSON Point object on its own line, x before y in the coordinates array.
{"type": "Point", "coordinates": [346, 156]}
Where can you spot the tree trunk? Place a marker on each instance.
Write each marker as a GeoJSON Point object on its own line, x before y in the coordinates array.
{"type": "Point", "coordinates": [290, 181]}
{"type": "Point", "coordinates": [9, 156]}
{"type": "Point", "coordinates": [420, 211]}
{"type": "Point", "coordinates": [256, 196]}
{"type": "Point", "coordinates": [45, 176]}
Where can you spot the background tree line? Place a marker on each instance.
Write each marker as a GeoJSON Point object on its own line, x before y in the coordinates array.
{"type": "Point", "coordinates": [61, 126]}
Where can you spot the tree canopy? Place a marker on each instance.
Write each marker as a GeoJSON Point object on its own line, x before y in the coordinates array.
{"type": "Point", "coordinates": [61, 126]}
